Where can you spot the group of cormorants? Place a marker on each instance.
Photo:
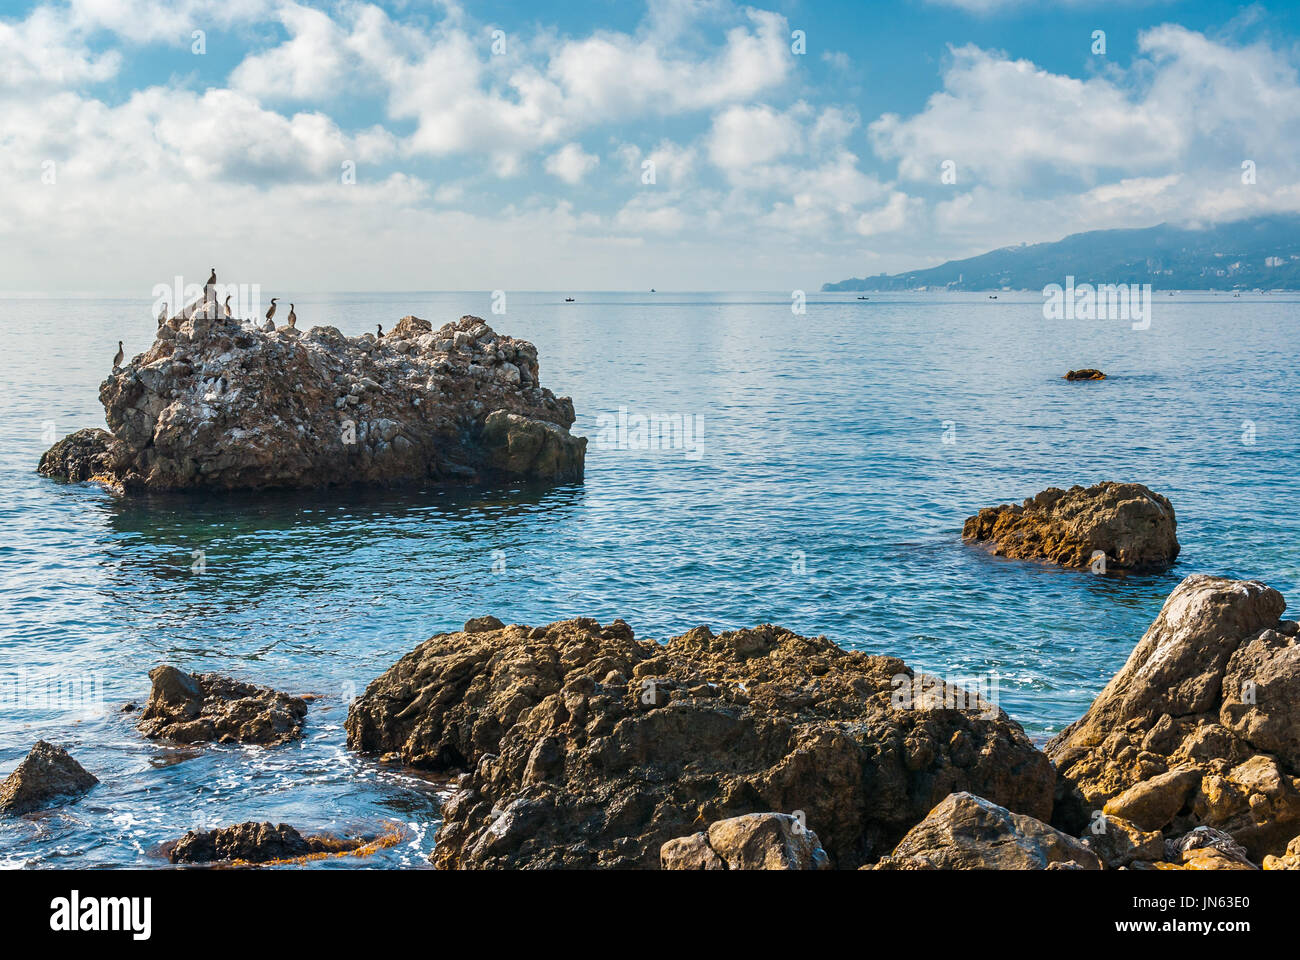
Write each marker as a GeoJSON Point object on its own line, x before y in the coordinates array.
{"type": "Point", "coordinates": [207, 307]}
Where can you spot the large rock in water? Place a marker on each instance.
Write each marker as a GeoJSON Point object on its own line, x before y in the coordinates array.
{"type": "Point", "coordinates": [45, 776]}
{"type": "Point", "coordinates": [207, 707]}
{"type": "Point", "coordinates": [1134, 527]}
{"type": "Point", "coordinates": [585, 747]}
{"type": "Point", "coordinates": [1200, 727]}
{"type": "Point", "coordinates": [966, 832]}
{"type": "Point", "coordinates": [219, 404]}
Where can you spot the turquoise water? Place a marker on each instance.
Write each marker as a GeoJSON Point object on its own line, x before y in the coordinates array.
{"type": "Point", "coordinates": [822, 496]}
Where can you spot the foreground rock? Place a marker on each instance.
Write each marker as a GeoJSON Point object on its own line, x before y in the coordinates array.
{"type": "Point", "coordinates": [585, 747]}
{"type": "Point", "coordinates": [47, 775]}
{"type": "Point", "coordinates": [1201, 727]}
{"type": "Point", "coordinates": [756, 841]}
{"type": "Point", "coordinates": [254, 843]}
{"type": "Point", "coordinates": [206, 707]}
{"type": "Point", "coordinates": [219, 404]}
{"type": "Point", "coordinates": [967, 832]}
{"type": "Point", "coordinates": [1134, 528]}
{"type": "Point", "coordinates": [1290, 860]}
{"type": "Point", "coordinates": [1087, 373]}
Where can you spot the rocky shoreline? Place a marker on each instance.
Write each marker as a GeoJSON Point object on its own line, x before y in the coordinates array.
{"type": "Point", "coordinates": [577, 745]}
{"type": "Point", "coordinates": [223, 404]}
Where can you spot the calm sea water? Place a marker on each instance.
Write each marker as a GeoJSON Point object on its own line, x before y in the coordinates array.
{"type": "Point", "coordinates": [841, 450]}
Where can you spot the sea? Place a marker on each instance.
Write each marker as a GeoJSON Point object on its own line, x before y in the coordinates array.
{"type": "Point", "coordinates": [753, 458]}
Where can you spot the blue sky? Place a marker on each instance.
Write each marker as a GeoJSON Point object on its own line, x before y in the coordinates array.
{"type": "Point", "coordinates": [128, 156]}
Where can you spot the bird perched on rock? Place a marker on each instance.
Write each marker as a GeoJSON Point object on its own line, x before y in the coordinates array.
{"type": "Point", "coordinates": [293, 317]}
{"type": "Point", "coordinates": [117, 360]}
{"type": "Point", "coordinates": [162, 315]}
{"type": "Point", "coordinates": [228, 306]}
{"type": "Point", "coordinates": [212, 279]}
{"type": "Point", "coordinates": [271, 313]}
{"type": "Point", "coordinates": [380, 327]}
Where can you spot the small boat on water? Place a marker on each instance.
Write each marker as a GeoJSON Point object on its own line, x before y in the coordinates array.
{"type": "Point", "coordinates": [569, 300]}
{"type": "Point", "coordinates": [864, 298]}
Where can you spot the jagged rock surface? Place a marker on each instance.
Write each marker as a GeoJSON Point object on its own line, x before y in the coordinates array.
{"type": "Point", "coordinates": [206, 707]}
{"type": "Point", "coordinates": [585, 747]}
{"type": "Point", "coordinates": [967, 832]}
{"type": "Point", "coordinates": [221, 404]}
{"type": "Point", "coordinates": [79, 456]}
{"type": "Point", "coordinates": [1134, 527]}
{"type": "Point", "coordinates": [1200, 727]}
{"type": "Point", "coordinates": [47, 775]}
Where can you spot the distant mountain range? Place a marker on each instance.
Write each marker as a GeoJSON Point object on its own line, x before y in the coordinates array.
{"type": "Point", "coordinates": [1260, 252]}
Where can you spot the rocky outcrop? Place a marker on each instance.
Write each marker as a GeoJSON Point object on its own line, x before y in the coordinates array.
{"type": "Point", "coordinates": [1133, 528]}
{"type": "Point", "coordinates": [756, 841]}
{"type": "Point", "coordinates": [206, 707]}
{"type": "Point", "coordinates": [1201, 727]}
{"type": "Point", "coordinates": [967, 832]}
{"type": "Point", "coordinates": [79, 456]}
{"type": "Point", "coordinates": [584, 747]}
{"type": "Point", "coordinates": [1290, 860]}
{"type": "Point", "coordinates": [254, 843]}
{"type": "Point", "coordinates": [1087, 373]}
{"type": "Point", "coordinates": [220, 404]}
{"type": "Point", "coordinates": [47, 775]}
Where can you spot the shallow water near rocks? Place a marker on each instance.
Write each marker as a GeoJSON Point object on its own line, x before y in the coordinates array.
{"type": "Point", "coordinates": [841, 451]}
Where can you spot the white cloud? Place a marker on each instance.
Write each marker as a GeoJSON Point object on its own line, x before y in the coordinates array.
{"type": "Point", "coordinates": [43, 52]}
{"type": "Point", "coordinates": [744, 137]}
{"type": "Point", "coordinates": [571, 164]}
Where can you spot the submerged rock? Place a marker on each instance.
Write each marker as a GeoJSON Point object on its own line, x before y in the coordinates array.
{"type": "Point", "coordinates": [967, 832]}
{"type": "Point", "coordinates": [220, 404]}
{"type": "Point", "coordinates": [1201, 727]}
{"type": "Point", "coordinates": [1087, 373]}
{"type": "Point", "coordinates": [1133, 527]}
{"type": "Point", "coordinates": [47, 775]}
{"type": "Point", "coordinates": [206, 707]}
{"type": "Point", "coordinates": [755, 841]}
{"type": "Point", "coordinates": [253, 843]}
{"type": "Point", "coordinates": [584, 747]}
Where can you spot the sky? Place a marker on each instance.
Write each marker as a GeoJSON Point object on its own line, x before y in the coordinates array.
{"type": "Point", "coordinates": [612, 145]}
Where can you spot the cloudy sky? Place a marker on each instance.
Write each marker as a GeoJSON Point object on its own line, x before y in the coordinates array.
{"type": "Point", "coordinates": [419, 145]}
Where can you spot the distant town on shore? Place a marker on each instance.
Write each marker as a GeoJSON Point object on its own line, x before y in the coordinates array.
{"type": "Point", "coordinates": [1259, 253]}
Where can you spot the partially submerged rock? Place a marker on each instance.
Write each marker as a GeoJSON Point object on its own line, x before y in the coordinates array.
{"type": "Point", "coordinates": [584, 747]}
{"type": "Point", "coordinates": [254, 843]}
{"type": "Point", "coordinates": [1201, 727]}
{"type": "Point", "coordinates": [755, 841]}
{"type": "Point", "coordinates": [79, 456]}
{"type": "Point", "coordinates": [220, 404]}
{"type": "Point", "coordinates": [46, 776]}
{"type": "Point", "coordinates": [1127, 524]}
{"type": "Point", "coordinates": [1087, 373]}
{"type": "Point", "coordinates": [966, 832]}
{"type": "Point", "coordinates": [206, 707]}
